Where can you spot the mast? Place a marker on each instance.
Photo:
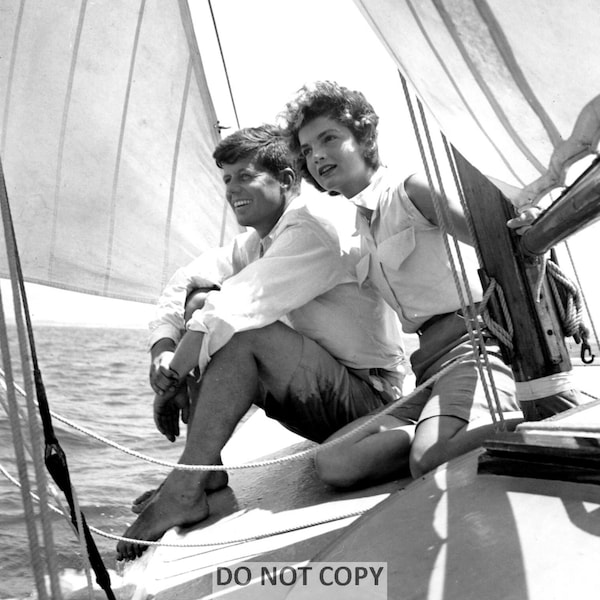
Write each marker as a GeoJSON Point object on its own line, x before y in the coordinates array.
{"type": "Point", "coordinates": [539, 353]}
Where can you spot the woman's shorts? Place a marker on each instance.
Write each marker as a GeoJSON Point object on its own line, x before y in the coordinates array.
{"type": "Point", "coordinates": [460, 392]}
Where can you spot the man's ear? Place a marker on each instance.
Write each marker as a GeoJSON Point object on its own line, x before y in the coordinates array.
{"type": "Point", "coordinates": [287, 178]}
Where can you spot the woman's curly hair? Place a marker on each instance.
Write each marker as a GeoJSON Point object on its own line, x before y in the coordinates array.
{"type": "Point", "coordinates": [329, 99]}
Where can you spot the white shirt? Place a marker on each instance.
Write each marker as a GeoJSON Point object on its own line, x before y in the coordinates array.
{"type": "Point", "coordinates": [404, 254]}
{"type": "Point", "coordinates": [304, 278]}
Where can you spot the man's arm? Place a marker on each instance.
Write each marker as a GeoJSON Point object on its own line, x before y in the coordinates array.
{"type": "Point", "coordinates": [178, 301]}
{"type": "Point", "coordinates": [302, 263]}
{"type": "Point", "coordinates": [172, 398]}
{"type": "Point", "coordinates": [161, 352]}
{"type": "Point", "coordinates": [208, 271]}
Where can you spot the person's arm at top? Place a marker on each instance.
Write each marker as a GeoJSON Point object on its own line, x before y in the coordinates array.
{"type": "Point", "coordinates": [419, 192]}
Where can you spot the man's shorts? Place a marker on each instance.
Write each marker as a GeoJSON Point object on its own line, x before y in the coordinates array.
{"type": "Point", "coordinates": [322, 395]}
{"type": "Point", "coordinates": [459, 392]}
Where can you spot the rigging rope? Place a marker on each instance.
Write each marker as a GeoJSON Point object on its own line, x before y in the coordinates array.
{"type": "Point", "coordinates": [258, 536]}
{"type": "Point", "coordinates": [292, 457]}
{"type": "Point", "coordinates": [50, 555]}
{"type": "Point", "coordinates": [289, 458]}
{"type": "Point", "coordinates": [570, 308]}
{"type": "Point", "coordinates": [583, 297]}
{"type": "Point", "coordinates": [54, 456]}
{"type": "Point", "coordinates": [237, 120]}
{"type": "Point", "coordinates": [444, 223]}
{"type": "Point", "coordinates": [23, 416]}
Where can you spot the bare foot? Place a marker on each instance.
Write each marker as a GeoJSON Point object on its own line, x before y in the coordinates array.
{"type": "Point", "coordinates": [179, 501]}
{"type": "Point", "coordinates": [217, 480]}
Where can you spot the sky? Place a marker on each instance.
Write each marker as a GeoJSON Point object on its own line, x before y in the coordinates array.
{"type": "Point", "coordinates": [324, 39]}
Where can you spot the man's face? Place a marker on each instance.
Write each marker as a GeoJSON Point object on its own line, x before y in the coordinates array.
{"type": "Point", "coordinates": [254, 194]}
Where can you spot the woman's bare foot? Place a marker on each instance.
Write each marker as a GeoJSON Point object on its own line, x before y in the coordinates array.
{"type": "Point", "coordinates": [217, 480]}
{"type": "Point", "coordinates": [179, 501]}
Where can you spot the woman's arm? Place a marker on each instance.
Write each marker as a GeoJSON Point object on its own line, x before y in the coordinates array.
{"type": "Point", "coordinates": [420, 194]}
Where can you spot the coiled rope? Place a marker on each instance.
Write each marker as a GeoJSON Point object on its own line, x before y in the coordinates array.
{"type": "Point", "coordinates": [570, 309]}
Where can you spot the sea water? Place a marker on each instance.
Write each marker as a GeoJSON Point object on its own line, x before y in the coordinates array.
{"type": "Point", "coordinates": [96, 378]}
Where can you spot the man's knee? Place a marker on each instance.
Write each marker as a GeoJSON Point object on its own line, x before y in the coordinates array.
{"type": "Point", "coordinates": [253, 342]}
{"type": "Point", "coordinates": [195, 301]}
{"type": "Point", "coordinates": [268, 338]}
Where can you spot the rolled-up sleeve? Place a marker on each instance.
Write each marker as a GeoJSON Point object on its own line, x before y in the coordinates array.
{"type": "Point", "coordinates": [302, 263]}
{"type": "Point", "coordinates": [212, 268]}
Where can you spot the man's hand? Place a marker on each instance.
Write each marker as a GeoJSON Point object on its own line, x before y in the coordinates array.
{"type": "Point", "coordinates": [167, 409]}
{"type": "Point", "coordinates": [523, 222]}
{"type": "Point", "coordinates": [166, 381]}
{"type": "Point", "coordinates": [161, 378]}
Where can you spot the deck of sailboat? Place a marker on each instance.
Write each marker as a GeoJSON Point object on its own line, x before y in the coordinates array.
{"type": "Point", "coordinates": [282, 513]}
{"type": "Point", "coordinates": [277, 513]}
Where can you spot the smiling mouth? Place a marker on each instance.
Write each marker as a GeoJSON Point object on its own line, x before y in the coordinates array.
{"type": "Point", "coordinates": [240, 203]}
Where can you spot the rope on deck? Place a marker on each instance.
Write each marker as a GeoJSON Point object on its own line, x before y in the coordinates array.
{"type": "Point", "coordinates": [265, 463]}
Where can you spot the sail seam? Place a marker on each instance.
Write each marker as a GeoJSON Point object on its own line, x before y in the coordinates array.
{"type": "Point", "coordinates": [477, 76]}
{"type": "Point", "coordinates": [124, 115]}
{"type": "Point", "coordinates": [182, 112]}
{"type": "Point", "coordinates": [503, 158]}
{"type": "Point", "coordinates": [11, 75]}
{"type": "Point", "coordinates": [505, 51]}
{"type": "Point", "coordinates": [62, 136]}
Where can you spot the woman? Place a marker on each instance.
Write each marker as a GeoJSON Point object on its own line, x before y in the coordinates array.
{"type": "Point", "coordinates": [334, 131]}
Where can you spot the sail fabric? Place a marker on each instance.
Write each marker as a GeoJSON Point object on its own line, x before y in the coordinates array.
{"type": "Point", "coordinates": [106, 137]}
{"type": "Point", "coordinates": [514, 85]}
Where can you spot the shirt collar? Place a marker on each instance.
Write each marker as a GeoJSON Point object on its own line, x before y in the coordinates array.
{"type": "Point", "coordinates": [266, 242]}
{"type": "Point", "coordinates": [368, 198]}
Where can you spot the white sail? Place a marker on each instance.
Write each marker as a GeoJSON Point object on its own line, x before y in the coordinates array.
{"type": "Point", "coordinates": [106, 135]}
{"type": "Point", "coordinates": [507, 80]}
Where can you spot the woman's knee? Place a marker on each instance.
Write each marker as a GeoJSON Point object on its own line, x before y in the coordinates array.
{"type": "Point", "coordinates": [421, 463]}
{"type": "Point", "coordinates": [436, 441]}
{"type": "Point", "coordinates": [334, 469]}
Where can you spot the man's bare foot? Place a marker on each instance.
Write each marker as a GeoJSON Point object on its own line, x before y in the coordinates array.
{"type": "Point", "coordinates": [217, 480]}
{"type": "Point", "coordinates": [179, 501]}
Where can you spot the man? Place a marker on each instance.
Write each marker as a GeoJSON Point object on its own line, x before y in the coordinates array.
{"type": "Point", "coordinates": [339, 356]}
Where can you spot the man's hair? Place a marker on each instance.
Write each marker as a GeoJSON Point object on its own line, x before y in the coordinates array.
{"type": "Point", "coordinates": [329, 99]}
{"type": "Point", "coordinates": [266, 144]}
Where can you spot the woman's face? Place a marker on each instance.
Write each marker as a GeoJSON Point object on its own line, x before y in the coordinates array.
{"type": "Point", "coordinates": [334, 157]}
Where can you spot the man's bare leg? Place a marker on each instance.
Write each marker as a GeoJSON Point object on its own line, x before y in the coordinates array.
{"type": "Point", "coordinates": [215, 481]}
{"type": "Point", "coordinates": [228, 389]}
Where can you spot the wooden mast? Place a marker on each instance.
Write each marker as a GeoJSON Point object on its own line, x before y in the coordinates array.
{"type": "Point", "coordinates": [539, 348]}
